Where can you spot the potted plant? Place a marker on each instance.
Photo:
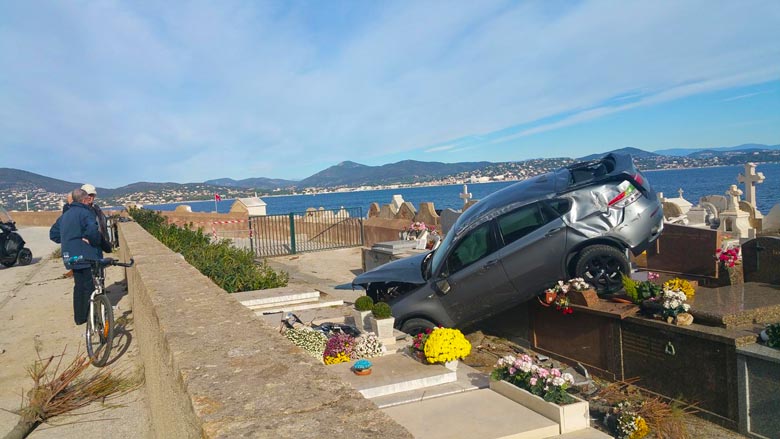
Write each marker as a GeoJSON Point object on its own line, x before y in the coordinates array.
{"type": "Point", "coordinates": [417, 348]}
{"type": "Point", "coordinates": [540, 389]}
{"type": "Point", "coordinates": [446, 346]}
{"type": "Point", "coordinates": [382, 322]}
{"type": "Point", "coordinates": [363, 307]}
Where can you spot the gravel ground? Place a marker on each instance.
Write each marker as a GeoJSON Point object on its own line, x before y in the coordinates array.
{"type": "Point", "coordinates": [36, 311]}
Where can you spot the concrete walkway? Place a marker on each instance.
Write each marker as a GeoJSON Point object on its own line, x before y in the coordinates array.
{"type": "Point", "coordinates": [36, 310]}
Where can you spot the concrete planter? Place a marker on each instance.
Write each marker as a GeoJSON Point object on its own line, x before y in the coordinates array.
{"type": "Point", "coordinates": [383, 328]}
{"type": "Point", "coordinates": [361, 320]}
{"type": "Point", "coordinates": [570, 417]}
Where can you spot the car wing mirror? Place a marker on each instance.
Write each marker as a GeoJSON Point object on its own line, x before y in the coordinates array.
{"type": "Point", "coordinates": [442, 286]}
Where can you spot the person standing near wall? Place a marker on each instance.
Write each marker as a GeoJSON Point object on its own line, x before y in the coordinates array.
{"type": "Point", "coordinates": [105, 241]}
{"type": "Point", "coordinates": [79, 235]}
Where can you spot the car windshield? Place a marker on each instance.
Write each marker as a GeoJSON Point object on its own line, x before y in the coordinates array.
{"type": "Point", "coordinates": [5, 217]}
{"type": "Point", "coordinates": [440, 253]}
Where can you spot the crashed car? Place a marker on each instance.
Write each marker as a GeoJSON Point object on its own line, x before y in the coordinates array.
{"type": "Point", "coordinates": [577, 221]}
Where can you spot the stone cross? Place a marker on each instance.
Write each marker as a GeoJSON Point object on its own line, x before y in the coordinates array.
{"type": "Point", "coordinates": [465, 195]}
{"type": "Point", "coordinates": [750, 179]}
{"type": "Point", "coordinates": [733, 199]}
{"type": "Point", "coordinates": [680, 191]}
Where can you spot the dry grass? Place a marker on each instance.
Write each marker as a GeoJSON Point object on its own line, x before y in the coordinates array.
{"type": "Point", "coordinates": [665, 420]}
{"type": "Point", "coordinates": [57, 391]}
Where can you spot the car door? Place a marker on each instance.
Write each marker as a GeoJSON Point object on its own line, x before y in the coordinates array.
{"type": "Point", "coordinates": [534, 242]}
{"type": "Point", "coordinates": [476, 279]}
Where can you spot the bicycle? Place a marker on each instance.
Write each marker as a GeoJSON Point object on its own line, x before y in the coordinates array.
{"type": "Point", "coordinates": [99, 333]}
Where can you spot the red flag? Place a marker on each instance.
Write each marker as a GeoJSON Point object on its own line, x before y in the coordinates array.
{"type": "Point", "coordinates": [217, 197]}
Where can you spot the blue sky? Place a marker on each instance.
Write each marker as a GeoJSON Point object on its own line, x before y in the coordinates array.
{"type": "Point", "coordinates": [115, 92]}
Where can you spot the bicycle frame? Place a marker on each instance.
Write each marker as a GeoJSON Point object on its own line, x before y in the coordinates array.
{"type": "Point", "coordinates": [98, 280]}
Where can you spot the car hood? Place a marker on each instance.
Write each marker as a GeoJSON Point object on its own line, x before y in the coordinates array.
{"type": "Point", "coordinates": [407, 270]}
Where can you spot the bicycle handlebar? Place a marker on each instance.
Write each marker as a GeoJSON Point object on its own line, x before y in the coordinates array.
{"type": "Point", "coordinates": [102, 262]}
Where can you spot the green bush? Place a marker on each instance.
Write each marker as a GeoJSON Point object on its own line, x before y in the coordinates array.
{"type": "Point", "coordinates": [381, 310]}
{"type": "Point", "coordinates": [364, 303]}
{"type": "Point", "coordinates": [773, 332]}
{"type": "Point", "coordinates": [233, 269]}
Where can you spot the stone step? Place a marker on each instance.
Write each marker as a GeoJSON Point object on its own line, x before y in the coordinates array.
{"type": "Point", "coordinates": [480, 414]}
{"type": "Point", "coordinates": [468, 379]}
{"type": "Point", "coordinates": [275, 297]}
{"type": "Point", "coordinates": [393, 374]}
{"type": "Point", "coordinates": [297, 307]}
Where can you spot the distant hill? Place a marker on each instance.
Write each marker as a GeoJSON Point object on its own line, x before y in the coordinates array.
{"type": "Point", "coordinates": [253, 183]}
{"type": "Point", "coordinates": [406, 171]}
{"type": "Point", "coordinates": [635, 152]}
{"type": "Point", "coordinates": [20, 180]}
{"type": "Point", "coordinates": [748, 147]}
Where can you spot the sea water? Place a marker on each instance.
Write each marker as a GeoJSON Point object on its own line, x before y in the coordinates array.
{"type": "Point", "coordinates": [695, 184]}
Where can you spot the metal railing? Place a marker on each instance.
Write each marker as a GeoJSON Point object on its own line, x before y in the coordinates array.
{"type": "Point", "coordinates": [313, 230]}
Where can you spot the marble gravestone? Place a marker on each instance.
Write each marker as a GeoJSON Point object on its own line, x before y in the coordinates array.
{"type": "Point", "coordinates": [761, 260]}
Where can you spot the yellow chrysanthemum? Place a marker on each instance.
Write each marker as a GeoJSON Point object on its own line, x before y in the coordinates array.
{"type": "Point", "coordinates": [446, 344]}
{"type": "Point", "coordinates": [680, 285]}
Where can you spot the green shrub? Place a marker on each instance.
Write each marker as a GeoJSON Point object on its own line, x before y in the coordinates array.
{"type": "Point", "coordinates": [364, 303]}
{"type": "Point", "coordinates": [773, 332]}
{"type": "Point", "coordinates": [381, 310]}
{"type": "Point", "coordinates": [233, 269]}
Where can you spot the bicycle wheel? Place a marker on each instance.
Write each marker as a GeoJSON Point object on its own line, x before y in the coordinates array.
{"type": "Point", "coordinates": [100, 331]}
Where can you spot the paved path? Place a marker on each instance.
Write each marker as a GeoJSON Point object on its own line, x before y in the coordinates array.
{"type": "Point", "coordinates": [36, 310]}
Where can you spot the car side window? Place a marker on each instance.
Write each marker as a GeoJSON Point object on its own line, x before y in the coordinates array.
{"type": "Point", "coordinates": [518, 223]}
{"type": "Point", "coordinates": [474, 246]}
{"type": "Point", "coordinates": [560, 205]}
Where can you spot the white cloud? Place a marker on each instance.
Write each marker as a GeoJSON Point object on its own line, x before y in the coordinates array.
{"type": "Point", "coordinates": [278, 87]}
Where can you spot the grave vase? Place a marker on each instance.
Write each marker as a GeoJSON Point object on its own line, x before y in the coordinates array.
{"type": "Point", "coordinates": [361, 320]}
{"type": "Point", "coordinates": [570, 417]}
{"type": "Point", "coordinates": [383, 328]}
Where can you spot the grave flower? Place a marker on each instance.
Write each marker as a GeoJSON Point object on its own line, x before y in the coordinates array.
{"type": "Point", "coordinates": [680, 285]}
{"type": "Point", "coordinates": [446, 344]}
{"type": "Point", "coordinates": [629, 424]}
{"type": "Point", "coordinates": [311, 341]}
{"type": "Point", "coordinates": [558, 294]}
{"type": "Point", "coordinates": [728, 256]}
{"type": "Point", "coordinates": [550, 384]}
{"type": "Point", "coordinates": [368, 346]}
{"type": "Point", "coordinates": [674, 303]}
{"type": "Point", "coordinates": [338, 349]}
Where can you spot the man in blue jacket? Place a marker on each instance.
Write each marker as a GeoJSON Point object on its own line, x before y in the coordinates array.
{"type": "Point", "coordinates": [79, 235]}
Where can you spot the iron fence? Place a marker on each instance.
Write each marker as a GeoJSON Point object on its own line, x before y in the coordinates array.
{"type": "Point", "coordinates": [313, 230]}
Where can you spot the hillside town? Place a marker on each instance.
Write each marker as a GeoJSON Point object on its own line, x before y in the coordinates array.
{"type": "Point", "coordinates": [36, 198]}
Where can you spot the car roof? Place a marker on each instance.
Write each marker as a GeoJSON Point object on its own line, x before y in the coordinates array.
{"type": "Point", "coordinates": [540, 187]}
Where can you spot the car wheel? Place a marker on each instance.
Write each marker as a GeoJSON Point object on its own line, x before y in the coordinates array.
{"type": "Point", "coordinates": [603, 267]}
{"type": "Point", "coordinates": [25, 256]}
{"type": "Point", "coordinates": [417, 325]}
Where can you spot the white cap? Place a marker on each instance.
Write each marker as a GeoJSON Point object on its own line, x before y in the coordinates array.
{"type": "Point", "coordinates": [89, 189]}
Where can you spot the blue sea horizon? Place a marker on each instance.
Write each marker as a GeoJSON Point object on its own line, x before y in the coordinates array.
{"type": "Point", "coordinates": [695, 182]}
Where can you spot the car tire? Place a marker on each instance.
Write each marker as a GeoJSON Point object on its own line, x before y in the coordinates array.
{"type": "Point", "coordinates": [417, 325]}
{"type": "Point", "coordinates": [602, 266]}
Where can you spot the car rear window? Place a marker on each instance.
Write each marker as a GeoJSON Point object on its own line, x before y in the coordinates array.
{"type": "Point", "coordinates": [560, 205]}
{"type": "Point", "coordinates": [518, 223]}
{"type": "Point", "coordinates": [590, 171]}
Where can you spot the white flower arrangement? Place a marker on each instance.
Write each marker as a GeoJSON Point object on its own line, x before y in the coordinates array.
{"type": "Point", "coordinates": [311, 341]}
{"type": "Point", "coordinates": [675, 300]}
{"type": "Point", "coordinates": [368, 346]}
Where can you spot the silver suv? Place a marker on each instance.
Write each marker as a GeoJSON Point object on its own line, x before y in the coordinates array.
{"type": "Point", "coordinates": [578, 221]}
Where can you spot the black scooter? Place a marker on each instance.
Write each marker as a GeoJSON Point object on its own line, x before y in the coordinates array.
{"type": "Point", "coordinates": [12, 249]}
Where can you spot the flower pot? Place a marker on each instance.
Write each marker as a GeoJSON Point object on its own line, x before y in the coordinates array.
{"type": "Point", "coordinates": [361, 320]}
{"type": "Point", "coordinates": [584, 298]}
{"type": "Point", "coordinates": [570, 417]}
{"type": "Point", "coordinates": [383, 328]}
{"type": "Point", "coordinates": [452, 365]}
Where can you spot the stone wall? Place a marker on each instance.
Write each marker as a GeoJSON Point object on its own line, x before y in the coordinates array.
{"type": "Point", "coordinates": [214, 370]}
{"type": "Point", "coordinates": [36, 219]}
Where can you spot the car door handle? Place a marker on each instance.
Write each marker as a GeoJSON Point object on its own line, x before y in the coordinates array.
{"type": "Point", "coordinates": [488, 265]}
{"type": "Point", "coordinates": [552, 232]}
